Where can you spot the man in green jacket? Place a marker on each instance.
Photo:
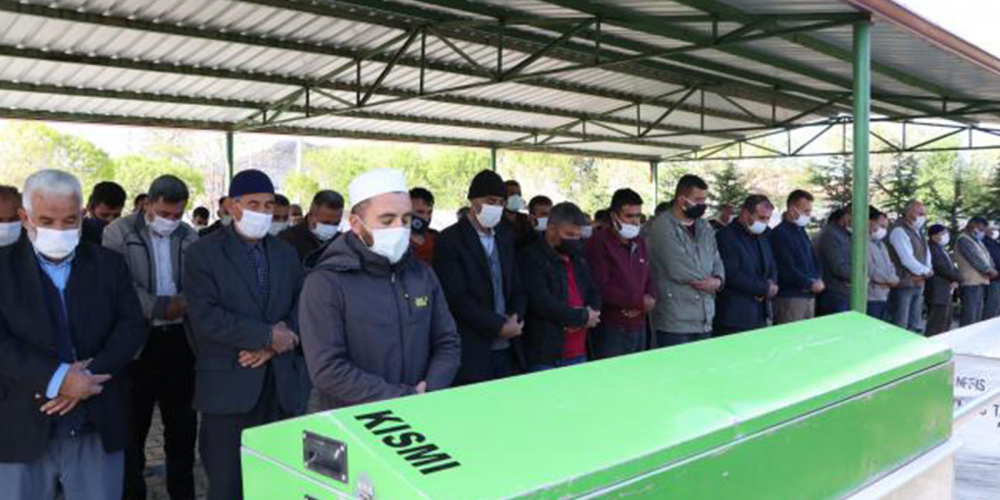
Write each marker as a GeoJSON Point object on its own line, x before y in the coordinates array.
{"type": "Point", "coordinates": [687, 268]}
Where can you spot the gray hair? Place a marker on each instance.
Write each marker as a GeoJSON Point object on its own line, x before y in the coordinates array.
{"type": "Point", "coordinates": [50, 182]}
{"type": "Point", "coordinates": [567, 213]}
{"type": "Point", "coordinates": [168, 188]}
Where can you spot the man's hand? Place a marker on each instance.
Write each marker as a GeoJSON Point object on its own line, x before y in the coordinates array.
{"type": "Point", "coordinates": [61, 405]}
{"type": "Point", "coordinates": [994, 274]}
{"type": "Point", "coordinates": [421, 388]}
{"type": "Point", "coordinates": [176, 309]}
{"type": "Point", "coordinates": [512, 328]}
{"type": "Point", "coordinates": [817, 287]}
{"type": "Point", "coordinates": [593, 318]}
{"type": "Point", "coordinates": [708, 285]}
{"type": "Point", "coordinates": [648, 303]}
{"type": "Point", "coordinates": [256, 359]}
{"type": "Point", "coordinates": [282, 338]}
{"type": "Point", "coordinates": [772, 290]}
{"type": "Point", "coordinates": [79, 384]}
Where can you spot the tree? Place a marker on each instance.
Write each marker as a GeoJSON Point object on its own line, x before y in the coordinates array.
{"type": "Point", "coordinates": [727, 185]}
{"type": "Point", "coordinates": [835, 179]}
{"type": "Point", "coordinates": [300, 188]}
{"type": "Point", "coordinates": [32, 146]}
{"type": "Point", "coordinates": [136, 172]}
{"type": "Point", "coordinates": [900, 183]}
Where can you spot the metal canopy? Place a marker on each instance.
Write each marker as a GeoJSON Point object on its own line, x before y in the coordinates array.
{"type": "Point", "coordinates": [632, 79]}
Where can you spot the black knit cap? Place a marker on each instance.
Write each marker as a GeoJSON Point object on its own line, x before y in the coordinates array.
{"type": "Point", "coordinates": [487, 183]}
{"type": "Point", "coordinates": [250, 182]}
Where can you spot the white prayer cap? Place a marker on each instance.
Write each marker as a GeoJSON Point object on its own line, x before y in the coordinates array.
{"type": "Point", "coordinates": [375, 182]}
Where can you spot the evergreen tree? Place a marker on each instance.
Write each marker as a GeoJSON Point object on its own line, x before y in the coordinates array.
{"type": "Point", "coordinates": [900, 184]}
{"type": "Point", "coordinates": [727, 185]}
{"type": "Point", "coordinates": [835, 179]}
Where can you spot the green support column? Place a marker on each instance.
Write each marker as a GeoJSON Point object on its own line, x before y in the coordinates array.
{"type": "Point", "coordinates": [493, 158]}
{"type": "Point", "coordinates": [230, 158]}
{"type": "Point", "coordinates": [862, 109]}
{"type": "Point", "coordinates": [654, 172]}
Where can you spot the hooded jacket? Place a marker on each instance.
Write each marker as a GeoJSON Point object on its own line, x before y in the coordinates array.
{"type": "Point", "coordinates": [372, 331]}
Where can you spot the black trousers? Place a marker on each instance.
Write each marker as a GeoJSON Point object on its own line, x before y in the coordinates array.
{"type": "Point", "coordinates": [164, 375]}
{"type": "Point", "coordinates": [219, 445]}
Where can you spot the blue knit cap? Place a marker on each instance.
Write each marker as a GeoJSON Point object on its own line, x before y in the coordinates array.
{"type": "Point", "coordinates": [250, 182]}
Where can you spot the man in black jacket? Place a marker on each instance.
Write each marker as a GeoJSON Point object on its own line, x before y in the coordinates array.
{"type": "Point", "coordinates": [321, 224]}
{"type": "Point", "coordinates": [563, 299]}
{"type": "Point", "coordinates": [751, 271]}
{"type": "Point", "coordinates": [242, 285]}
{"type": "Point", "coordinates": [474, 259]}
{"type": "Point", "coordinates": [70, 322]}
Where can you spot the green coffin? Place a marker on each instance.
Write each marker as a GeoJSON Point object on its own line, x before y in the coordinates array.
{"type": "Point", "coordinates": [809, 411]}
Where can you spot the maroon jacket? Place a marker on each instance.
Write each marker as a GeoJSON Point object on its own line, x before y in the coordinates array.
{"type": "Point", "coordinates": [622, 273]}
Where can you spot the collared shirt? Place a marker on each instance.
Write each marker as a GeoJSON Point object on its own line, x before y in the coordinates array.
{"type": "Point", "coordinates": [59, 273]}
{"type": "Point", "coordinates": [487, 237]}
{"type": "Point", "coordinates": [163, 262]}
{"type": "Point", "coordinates": [916, 264]}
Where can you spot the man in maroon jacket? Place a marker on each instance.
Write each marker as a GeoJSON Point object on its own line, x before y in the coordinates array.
{"type": "Point", "coordinates": [618, 262]}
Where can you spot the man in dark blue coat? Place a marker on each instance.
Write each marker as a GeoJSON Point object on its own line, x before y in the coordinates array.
{"type": "Point", "coordinates": [242, 285]}
{"type": "Point", "coordinates": [70, 322]}
{"type": "Point", "coordinates": [751, 271]}
{"type": "Point", "coordinates": [800, 275]}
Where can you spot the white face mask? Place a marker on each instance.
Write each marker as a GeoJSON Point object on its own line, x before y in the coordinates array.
{"type": "Point", "coordinates": [9, 233]}
{"type": "Point", "coordinates": [945, 239]}
{"type": "Point", "coordinates": [56, 244]}
{"type": "Point", "coordinates": [254, 225]}
{"type": "Point", "coordinates": [199, 227]}
{"type": "Point", "coordinates": [879, 234]}
{"type": "Point", "coordinates": [163, 226]}
{"type": "Point", "coordinates": [490, 215]}
{"type": "Point", "coordinates": [390, 243]}
{"type": "Point", "coordinates": [515, 203]}
{"type": "Point", "coordinates": [325, 231]}
{"type": "Point", "coordinates": [586, 232]}
{"type": "Point", "coordinates": [628, 231]}
{"type": "Point", "coordinates": [803, 220]}
{"type": "Point", "coordinates": [758, 227]}
{"type": "Point", "coordinates": [541, 223]}
{"type": "Point", "coordinates": [277, 227]}
{"type": "Point", "coordinates": [919, 224]}
{"type": "Point", "coordinates": [226, 220]}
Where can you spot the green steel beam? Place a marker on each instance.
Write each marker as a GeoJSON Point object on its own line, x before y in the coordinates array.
{"type": "Point", "coordinates": [230, 157]}
{"type": "Point", "coordinates": [304, 47]}
{"type": "Point", "coordinates": [640, 23]}
{"type": "Point", "coordinates": [654, 173]}
{"type": "Point", "coordinates": [103, 61]}
{"type": "Point", "coordinates": [493, 158]}
{"type": "Point", "coordinates": [715, 7]}
{"type": "Point", "coordinates": [400, 16]}
{"type": "Point", "coordinates": [133, 121]}
{"type": "Point", "coordinates": [304, 110]}
{"type": "Point", "coordinates": [859, 203]}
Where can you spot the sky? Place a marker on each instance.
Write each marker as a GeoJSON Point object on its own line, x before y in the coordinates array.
{"type": "Point", "coordinates": [973, 20]}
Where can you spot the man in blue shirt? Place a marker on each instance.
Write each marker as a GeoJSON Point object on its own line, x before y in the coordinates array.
{"type": "Point", "coordinates": [799, 272]}
{"type": "Point", "coordinates": [70, 322]}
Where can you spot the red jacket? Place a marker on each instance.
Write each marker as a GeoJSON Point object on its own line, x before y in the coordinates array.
{"type": "Point", "coordinates": [622, 273]}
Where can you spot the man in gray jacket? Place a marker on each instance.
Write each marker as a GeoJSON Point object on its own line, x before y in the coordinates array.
{"type": "Point", "coordinates": [687, 267]}
{"type": "Point", "coordinates": [834, 248]}
{"type": "Point", "coordinates": [375, 323]}
{"type": "Point", "coordinates": [153, 243]}
{"type": "Point", "coordinates": [882, 275]}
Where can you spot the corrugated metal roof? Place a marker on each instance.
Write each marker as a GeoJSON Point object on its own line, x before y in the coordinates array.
{"type": "Point", "coordinates": [230, 64]}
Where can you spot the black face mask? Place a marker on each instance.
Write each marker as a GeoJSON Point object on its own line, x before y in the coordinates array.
{"type": "Point", "coordinates": [419, 225]}
{"type": "Point", "coordinates": [695, 211]}
{"type": "Point", "coordinates": [570, 247]}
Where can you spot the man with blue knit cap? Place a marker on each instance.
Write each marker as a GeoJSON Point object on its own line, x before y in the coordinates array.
{"type": "Point", "coordinates": [375, 323]}
{"type": "Point", "coordinates": [242, 285]}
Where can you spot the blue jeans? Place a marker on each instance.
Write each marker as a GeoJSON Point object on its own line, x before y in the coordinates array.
{"type": "Point", "coordinates": [906, 307]}
{"type": "Point", "coordinates": [667, 339]}
{"type": "Point", "coordinates": [877, 309]}
{"type": "Point", "coordinates": [561, 363]}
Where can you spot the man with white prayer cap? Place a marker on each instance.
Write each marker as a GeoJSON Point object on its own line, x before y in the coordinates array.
{"type": "Point", "coordinates": [374, 322]}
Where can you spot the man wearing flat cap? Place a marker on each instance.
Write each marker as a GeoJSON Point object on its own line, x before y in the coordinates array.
{"type": "Point", "coordinates": [242, 285]}
{"type": "Point", "coordinates": [475, 261]}
{"type": "Point", "coordinates": [375, 323]}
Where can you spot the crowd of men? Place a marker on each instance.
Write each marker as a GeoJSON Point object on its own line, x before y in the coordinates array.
{"type": "Point", "coordinates": [234, 324]}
